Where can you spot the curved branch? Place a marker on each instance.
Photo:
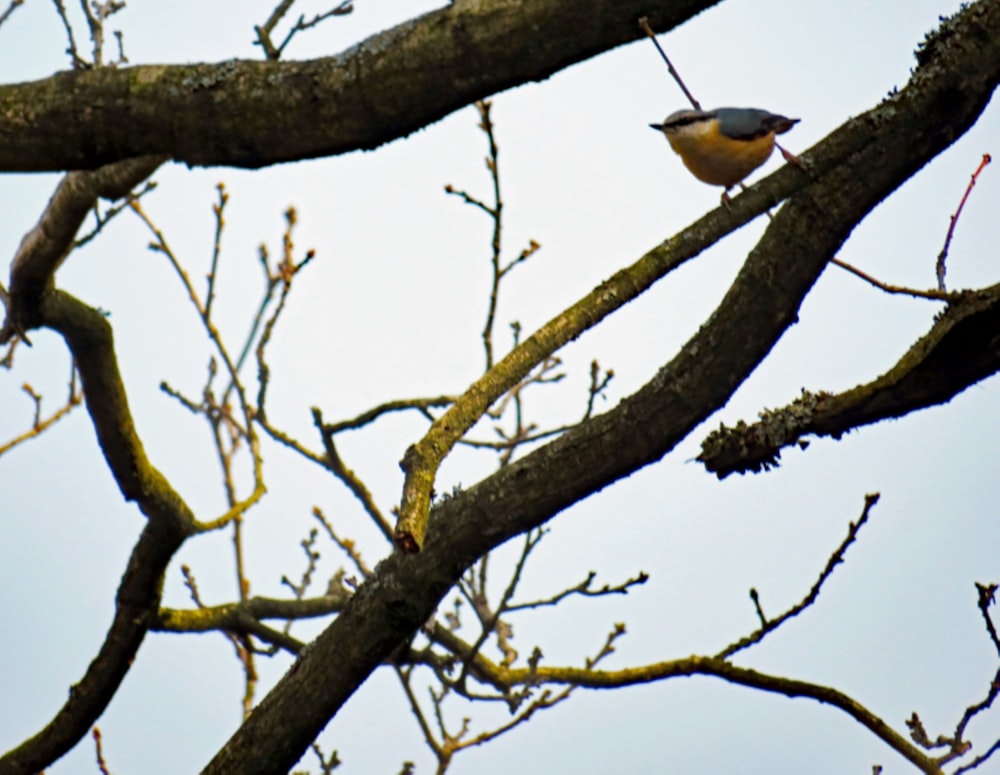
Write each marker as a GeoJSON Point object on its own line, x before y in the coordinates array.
{"type": "Point", "coordinates": [170, 522]}
{"type": "Point", "coordinates": [720, 668]}
{"type": "Point", "coordinates": [505, 679]}
{"type": "Point", "coordinates": [829, 161]}
{"type": "Point", "coordinates": [961, 349]}
{"type": "Point", "coordinates": [46, 246]}
{"type": "Point", "coordinates": [421, 461]}
{"type": "Point", "coordinates": [249, 114]}
{"type": "Point", "coordinates": [866, 160]}
{"type": "Point", "coordinates": [233, 616]}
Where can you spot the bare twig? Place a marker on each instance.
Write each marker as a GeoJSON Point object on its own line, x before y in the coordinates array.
{"type": "Point", "coordinates": [545, 698]}
{"type": "Point", "coordinates": [279, 277]}
{"type": "Point", "coordinates": [312, 557]}
{"type": "Point", "coordinates": [598, 385]}
{"type": "Point", "coordinates": [14, 4]}
{"type": "Point", "coordinates": [40, 425]}
{"type": "Point", "coordinates": [96, 13]}
{"type": "Point", "coordinates": [981, 759]}
{"type": "Point", "coordinates": [768, 626]}
{"type": "Point", "coordinates": [495, 211]}
{"type": "Point", "coordinates": [287, 269]}
{"type": "Point", "coordinates": [326, 765]}
{"type": "Point", "coordinates": [215, 411]}
{"type": "Point", "coordinates": [265, 30]}
{"type": "Point", "coordinates": [7, 361]}
{"type": "Point", "coordinates": [938, 295]}
{"type": "Point", "coordinates": [110, 213]}
{"type": "Point", "coordinates": [99, 752]}
{"type": "Point", "coordinates": [486, 124]}
{"type": "Point", "coordinates": [644, 25]}
{"type": "Point", "coordinates": [943, 255]}
{"type": "Point", "coordinates": [218, 210]}
{"type": "Point", "coordinates": [987, 598]}
{"type": "Point", "coordinates": [490, 620]}
{"type": "Point", "coordinates": [422, 405]}
{"type": "Point", "coordinates": [78, 62]}
{"type": "Point", "coordinates": [349, 478]}
{"type": "Point", "coordinates": [584, 589]}
{"type": "Point", "coordinates": [346, 545]}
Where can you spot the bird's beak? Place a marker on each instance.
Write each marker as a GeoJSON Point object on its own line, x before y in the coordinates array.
{"type": "Point", "coordinates": [658, 127]}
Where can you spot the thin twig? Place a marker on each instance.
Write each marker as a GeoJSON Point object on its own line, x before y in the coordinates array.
{"type": "Point", "coordinates": [349, 478]}
{"type": "Point", "coordinates": [988, 597]}
{"type": "Point", "coordinates": [420, 404]}
{"type": "Point", "coordinates": [220, 223]}
{"type": "Point", "coordinates": [10, 9]}
{"type": "Point", "coordinates": [265, 30]}
{"type": "Point", "coordinates": [326, 765]}
{"type": "Point", "coordinates": [943, 255]}
{"type": "Point", "coordinates": [40, 425]}
{"type": "Point", "coordinates": [979, 759]}
{"type": "Point", "coordinates": [492, 164]}
{"type": "Point", "coordinates": [768, 626]}
{"type": "Point", "coordinates": [78, 62]}
{"type": "Point", "coordinates": [932, 294]}
{"type": "Point", "coordinates": [346, 545]}
{"type": "Point", "coordinates": [644, 26]}
{"type": "Point", "coordinates": [584, 589]}
{"type": "Point", "coordinates": [490, 620]}
{"type": "Point", "coordinates": [110, 213]}
{"type": "Point", "coordinates": [99, 752]}
{"type": "Point", "coordinates": [247, 430]}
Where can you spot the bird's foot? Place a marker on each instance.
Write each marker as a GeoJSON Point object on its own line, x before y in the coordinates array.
{"type": "Point", "coordinates": [791, 158]}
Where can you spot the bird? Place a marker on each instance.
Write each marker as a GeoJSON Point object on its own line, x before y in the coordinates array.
{"type": "Point", "coordinates": [722, 146]}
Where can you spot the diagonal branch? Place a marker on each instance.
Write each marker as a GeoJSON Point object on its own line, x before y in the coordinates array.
{"type": "Point", "coordinates": [384, 88]}
{"type": "Point", "coordinates": [861, 164]}
{"type": "Point", "coordinates": [768, 626]}
{"type": "Point", "coordinates": [741, 676]}
{"type": "Point", "coordinates": [46, 246]}
{"type": "Point", "coordinates": [961, 348]}
{"type": "Point", "coordinates": [423, 458]}
{"type": "Point", "coordinates": [829, 162]}
{"type": "Point", "coordinates": [169, 523]}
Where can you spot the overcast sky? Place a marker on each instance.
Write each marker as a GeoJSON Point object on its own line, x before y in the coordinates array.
{"type": "Point", "coordinates": [393, 306]}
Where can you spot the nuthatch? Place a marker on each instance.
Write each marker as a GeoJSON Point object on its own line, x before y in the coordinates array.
{"type": "Point", "coordinates": [722, 146]}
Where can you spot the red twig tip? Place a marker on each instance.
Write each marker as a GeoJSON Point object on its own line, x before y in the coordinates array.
{"type": "Point", "coordinates": [943, 255]}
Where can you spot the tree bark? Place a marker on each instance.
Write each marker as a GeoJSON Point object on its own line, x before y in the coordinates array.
{"type": "Point", "coordinates": [252, 114]}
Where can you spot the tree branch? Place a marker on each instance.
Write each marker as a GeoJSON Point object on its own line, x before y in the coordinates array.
{"type": "Point", "coordinates": [46, 246]}
{"type": "Point", "coordinates": [828, 161]}
{"type": "Point", "coordinates": [248, 113]}
{"type": "Point", "coordinates": [860, 164]}
{"type": "Point", "coordinates": [961, 348]}
{"type": "Point", "coordinates": [170, 522]}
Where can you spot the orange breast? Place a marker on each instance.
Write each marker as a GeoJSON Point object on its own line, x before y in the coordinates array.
{"type": "Point", "coordinates": [716, 159]}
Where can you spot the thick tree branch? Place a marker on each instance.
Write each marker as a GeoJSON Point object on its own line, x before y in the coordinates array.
{"type": "Point", "coordinates": [170, 522]}
{"type": "Point", "coordinates": [422, 459]}
{"type": "Point", "coordinates": [864, 135]}
{"type": "Point", "coordinates": [864, 161]}
{"type": "Point", "coordinates": [250, 114]}
{"type": "Point", "coordinates": [962, 348]}
{"type": "Point", "coordinates": [46, 246]}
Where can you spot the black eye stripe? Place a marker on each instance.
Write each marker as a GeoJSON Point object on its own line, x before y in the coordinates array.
{"type": "Point", "coordinates": [677, 123]}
